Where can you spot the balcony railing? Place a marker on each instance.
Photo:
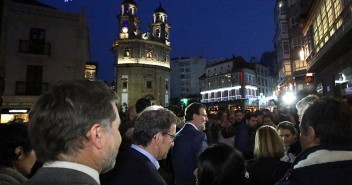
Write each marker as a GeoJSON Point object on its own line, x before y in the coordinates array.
{"type": "Point", "coordinates": [26, 88]}
{"type": "Point", "coordinates": [30, 47]}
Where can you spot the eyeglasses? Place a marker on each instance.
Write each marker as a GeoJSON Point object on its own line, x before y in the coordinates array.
{"type": "Point", "coordinates": [171, 136]}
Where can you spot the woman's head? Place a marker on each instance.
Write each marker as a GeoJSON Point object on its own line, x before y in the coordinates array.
{"type": "Point", "coordinates": [16, 151]}
{"type": "Point", "coordinates": [220, 164]}
{"type": "Point", "coordinates": [268, 143]}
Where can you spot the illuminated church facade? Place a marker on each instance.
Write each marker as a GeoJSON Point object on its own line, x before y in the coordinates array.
{"type": "Point", "coordinates": [142, 58]}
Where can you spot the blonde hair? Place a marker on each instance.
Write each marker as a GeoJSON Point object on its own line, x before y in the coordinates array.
{"type": "Point", "coordinates": [268, 143]}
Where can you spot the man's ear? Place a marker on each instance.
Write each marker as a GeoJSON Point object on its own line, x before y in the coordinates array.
{"type": "Point", "coordinates": [19, 152]}
{"type": "Point", "coordinates": [95, 135]}
{"type": "Point", "coordinates": [312, 137]}
{"type": "Point", "coordinates": [158, 138]}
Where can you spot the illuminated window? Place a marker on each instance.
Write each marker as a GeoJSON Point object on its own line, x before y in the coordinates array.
{"type": "Point", "coordinates": [287, 68]}
{"type": "Point", "coordinates": [300, 65]}
{"type": "Point", "coordinates": [326, 22]}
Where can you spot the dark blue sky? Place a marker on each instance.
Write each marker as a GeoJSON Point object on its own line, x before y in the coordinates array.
{"type": "Point", "coordinates": [208, 28]}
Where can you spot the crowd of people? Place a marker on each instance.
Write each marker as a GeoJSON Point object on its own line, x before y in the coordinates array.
{"type": "Point", "coordinates": [77, 135]}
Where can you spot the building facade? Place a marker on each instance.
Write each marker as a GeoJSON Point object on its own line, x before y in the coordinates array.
{"type": "Point", "coordinates": [229, 83]}
{"type": "Point", "coordinates": [41, 46]}
{"type": "Point", "coordinates": [289, 16]}
{"type": "Point", "coordinates": [185, 73]}
{"type": "Point", "coordinates": [265, 82]}
{"type": "Point", "coordinates": [142, 58]}
{"type": "Point", "coordinates": [327, 47]}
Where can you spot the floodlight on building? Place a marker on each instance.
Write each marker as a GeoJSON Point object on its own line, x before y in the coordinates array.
{"type": "Point", "coordinates": [301, 54]}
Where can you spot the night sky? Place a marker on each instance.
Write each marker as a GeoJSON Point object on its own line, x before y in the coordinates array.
{"type": "Point", "coordinates": [208, 28]}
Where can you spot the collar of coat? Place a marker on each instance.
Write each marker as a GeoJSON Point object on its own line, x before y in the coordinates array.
{"type": "Point", "coordinates": [324, 156]}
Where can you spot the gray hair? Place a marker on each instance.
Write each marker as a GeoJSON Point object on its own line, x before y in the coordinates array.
{"type": "Point", "coordinates": [304, 103]}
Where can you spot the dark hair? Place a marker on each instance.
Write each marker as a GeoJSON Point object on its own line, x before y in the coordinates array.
{"type": "Point", "coordinates": [288, 126]}
{"type": "Point", "coordinates": [152, 120]}
{"type": "Point", "coordinates": [258, 112]}
{"type": "Point", "coordinates": [249, 116]}
{"type": "Point", "coordinates": [221, 164]}
{"type": "Point", "coordinates": [141, 104]}
{"type": "Point", "coordinates": [61, 118]}
{"type": "Point", "coordinates": [220, 113]}
{"type": "Point", "coordinates": [331, 120]}
{"type": "Point", "coordinates": [193, 108]}
{"type": "Point", "coordinates": [271, 117]}
{"type": "Point", "coordinates": [238, 110]}
{"type": "Point", "coordinates": [13, 135]}
{"type": "Point", "coordinates": [266, 111]}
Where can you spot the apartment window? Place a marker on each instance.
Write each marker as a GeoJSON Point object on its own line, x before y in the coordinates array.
{"type": "Point", "coordinates": [37, 41]}
{"type": "Point", "coordinates": [285, 47]}
{"type": "Point", "coordinates": [282, 8]}
{"type": "Point", "coordinates": [300, 65]}
{"type": "Point", "coordinates": [149, 84]}
{"type": "Point", "coordinates": [287, 68]}
{"type": "Point", "coordinates": [291, 2]}
{"type": "Point", "coordinates": [297, 42]}
{"type": "Point", "coordinates": [293, 21]}
{"type": "Point", "coordinates": [284, 28]}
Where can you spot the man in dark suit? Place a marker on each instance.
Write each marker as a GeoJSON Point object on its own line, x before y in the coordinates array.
{"type": "Point", "coordinates": [74, 131]}
{"type": "Point", "coordinates": [189, 142]}
{"type": "Point", "coordinates": [153, 135]}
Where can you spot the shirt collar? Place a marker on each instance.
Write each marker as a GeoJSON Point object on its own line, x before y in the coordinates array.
{"type": "Point", "coordinates": [75, 166]}
{"type": "Point", "coordinates": [148, 155]}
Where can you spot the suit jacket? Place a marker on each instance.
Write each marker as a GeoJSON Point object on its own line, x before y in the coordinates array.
{"type": "Point", "coordinates": [60, 176]}
{"type": "Point", "coordinates": [244, 141]}
{"type": "Point", "coordinates": [132, 168]}
{"type": "Point", "coordinates": [189, 143]}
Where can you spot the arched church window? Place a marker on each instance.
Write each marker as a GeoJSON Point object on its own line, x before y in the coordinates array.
{"type": "Point", "coordinates": [157, 33]}
{"type": "Point", "coordinates": [127, 52]}
{"type": "Point", "coordinates": [149, 53]}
